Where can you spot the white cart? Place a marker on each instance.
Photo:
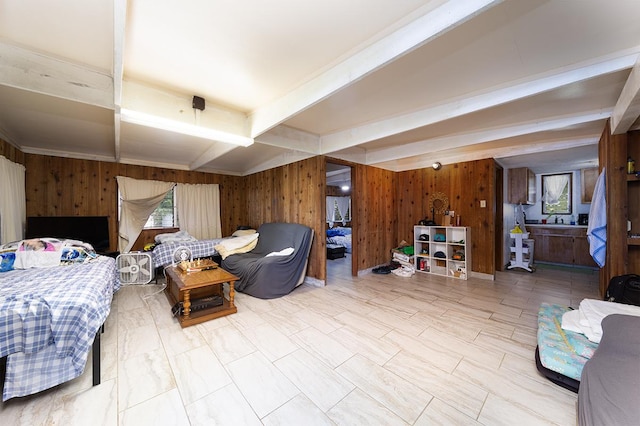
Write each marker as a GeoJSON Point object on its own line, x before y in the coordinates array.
{"type": "Point", "coordinates": [521, 251]}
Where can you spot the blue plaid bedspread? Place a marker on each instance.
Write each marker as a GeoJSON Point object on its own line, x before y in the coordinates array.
{"type": "Point", "coordinates": [48, 320]}
{"type": "Point", "coordinates": [162, 254]}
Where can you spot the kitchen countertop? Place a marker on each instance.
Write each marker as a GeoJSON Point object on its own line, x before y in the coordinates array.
{"type": "Point", "coordinates": [554, 225]}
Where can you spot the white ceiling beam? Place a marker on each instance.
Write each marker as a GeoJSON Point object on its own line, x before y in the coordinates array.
{"type": "Point", "coordinates": [119, 27]}
{"type": "Point", "coordinates": [433, 24]}
{"type": "Point", "coordinates": [627, 109]}
{"type": "Point", "coordinates": [490, 150]}
{"type": "Point", "coordinates": [177, 107]}
{"type": "Point", "coordinates": [35, 72]}
{"type": "Point", "coordinates": [290, 138]}
{"type": "Point", "coordinates": [153, 104]}
{"type": "Point", "coordinates": [468, 104]}
{"type": "Point", "coordinates": [430, 146]}
{"type": "Point", "coordinates": [217, 149]}
{"type": "Point", "coordinates": [283, 159]}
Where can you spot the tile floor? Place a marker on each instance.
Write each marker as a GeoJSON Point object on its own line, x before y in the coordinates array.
{"type": "Point", "coordinates": [369, 350]}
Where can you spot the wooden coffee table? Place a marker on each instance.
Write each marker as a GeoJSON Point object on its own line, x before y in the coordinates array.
{"type": "Point", "coordinates": [187, 286]}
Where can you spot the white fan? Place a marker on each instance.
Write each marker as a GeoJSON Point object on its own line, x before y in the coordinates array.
{"type": "Point", "coordinates": [135, 268]}
{"type": "Point", "coordinates": [182, 254]}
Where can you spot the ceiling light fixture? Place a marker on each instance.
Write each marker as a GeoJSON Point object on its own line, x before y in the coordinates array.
{"type": "Point", "coordinates": [148, 120]}
{"type": "Point", "coordinates": [436, 165]}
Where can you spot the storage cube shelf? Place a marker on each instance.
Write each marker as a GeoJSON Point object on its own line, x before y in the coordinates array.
{"type": "Point", "coordinates": [442, 250]}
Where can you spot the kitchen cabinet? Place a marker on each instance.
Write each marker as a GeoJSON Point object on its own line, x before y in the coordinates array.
{"type": "Point", "coordinates": [588, 178]}
{"type": "Point", "coordinates": [566, 245]}
{"type": "Point", "coordinates": [521, 186]}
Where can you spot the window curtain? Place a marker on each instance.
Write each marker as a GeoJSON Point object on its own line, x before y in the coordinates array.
{"type": "Point", "coordinates": [343, 207]}
{"type": "Point", "coordinates": [139, 199]}
{"type": "Point", "coordinates": [331, 210]}
{"type": "Point", "coordinates": [554, 186]}
{"type": "Point", "coordinates": [13, 210]}
{"type": "Point", "coordinates": [199, 210]}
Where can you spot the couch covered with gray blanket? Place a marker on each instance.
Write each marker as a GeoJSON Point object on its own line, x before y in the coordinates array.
{"type": "Point", "coordinates": [265, 272]}
{"type": "Point", "coordinates": [610, 385]}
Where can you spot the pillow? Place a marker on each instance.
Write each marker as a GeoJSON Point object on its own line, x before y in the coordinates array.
{"type": "Point", "coordinates": [6, 261]}
{"type": "Point", "coordinates": [224, 252]}
{"type": "Point", "coordinates": [284, 252]}
{"type": "Point", "coordinates": [243, 232]}
{"type": "Point", "coordinates": [180, 236]}
{"type": "Point", "coordinates": [38, 253]}
{"type": "Point", "coordinates": [242, 244]}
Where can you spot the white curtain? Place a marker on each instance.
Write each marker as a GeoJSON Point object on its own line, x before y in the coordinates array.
{"type": "Point", "coordinates": [139, 199]}
{"type": "Point", "coordinates": [13, 209]}
{"type": "Point", "coordinates": [554, 186]}
{"type": "Point", "coordinates": [343, 207]}
{"type": "Point", "coordinates": [331, 207]}
{"type": "Point", "coordinates": [199, 210]}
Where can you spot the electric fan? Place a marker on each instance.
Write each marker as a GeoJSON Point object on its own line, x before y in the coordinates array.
{"type": "Point", "coordinates": [182, 254]}
{"type": "Point", "coordinates": [135, 268]}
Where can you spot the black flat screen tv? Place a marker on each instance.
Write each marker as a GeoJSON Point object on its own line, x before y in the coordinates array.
{"type": "Point", "coordinates": [89, 229]}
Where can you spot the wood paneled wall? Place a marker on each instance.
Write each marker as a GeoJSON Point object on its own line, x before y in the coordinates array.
{"type": "Point", "coordinates": [10, 152]}
{"type": "Point", "coordinates": [374, 219]}
{"type": "Point", "coordinates": [291, 193]}
{"type": "Point", "coordinates": [385, 204]}
{"type": "Point", "coordinates": [58, 186]}
{"type": "Point", "coordinates": [464, 184]}
{"type": "Point", "coordinates": [612, 153]}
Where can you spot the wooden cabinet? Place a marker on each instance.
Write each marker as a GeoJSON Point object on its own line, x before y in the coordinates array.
{"type": "Point", "coordinates": [442, 250]}
{"type": "Point", "coordinates": [588, 178]}
{"type": "Point", "coordinates": [521, 186]}
{"type": "Point", "coordinates": [564, 245]}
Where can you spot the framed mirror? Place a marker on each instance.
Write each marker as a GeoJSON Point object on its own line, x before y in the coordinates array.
{"type": "Point", "coordinates": [557, 193]}
{"type": "Point", "coordinates": [438, 203]}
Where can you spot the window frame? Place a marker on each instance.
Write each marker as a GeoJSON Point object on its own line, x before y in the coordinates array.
{"type": "Point", "coordinates": [549, 209]}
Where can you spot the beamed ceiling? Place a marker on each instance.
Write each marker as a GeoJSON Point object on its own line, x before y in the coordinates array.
{"type": "Point", "coordinates": [391, 84]}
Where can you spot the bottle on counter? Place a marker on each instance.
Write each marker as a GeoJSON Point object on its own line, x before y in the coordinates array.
{"type": "Point", "coordinates": [631, 166]}
{"type": "Point", "coordinates": [573, 220]}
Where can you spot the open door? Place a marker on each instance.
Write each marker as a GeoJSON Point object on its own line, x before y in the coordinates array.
{"type": "Point", "coordinates": [339, 222]}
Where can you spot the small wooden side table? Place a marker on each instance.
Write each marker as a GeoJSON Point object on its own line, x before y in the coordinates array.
{"type": "Point", "coordinates": [186, 286]}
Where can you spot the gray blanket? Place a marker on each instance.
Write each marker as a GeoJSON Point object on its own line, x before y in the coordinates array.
{"type": "Point", "coordinates": [273, 276]}
{"type": "Point", "coordinates": [610, 385]}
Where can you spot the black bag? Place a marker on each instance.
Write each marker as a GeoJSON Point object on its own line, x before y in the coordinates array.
{"type": "Point", "coordinates": [624, 289]}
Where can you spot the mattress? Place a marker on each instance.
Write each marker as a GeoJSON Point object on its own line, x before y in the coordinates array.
{"type": "Point", "coordinates": [561, 351]}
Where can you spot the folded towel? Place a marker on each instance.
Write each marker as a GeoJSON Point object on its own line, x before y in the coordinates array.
{"type": "Point", "coordinates": [590, 315]}
{"type": "Point", "coordinates": [597, 230]}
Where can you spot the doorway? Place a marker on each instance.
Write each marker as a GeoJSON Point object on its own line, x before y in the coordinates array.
{"type": "Point", "coordinates": [338, 219]}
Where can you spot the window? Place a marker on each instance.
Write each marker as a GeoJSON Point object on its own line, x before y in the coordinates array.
{"type": "Point", "coordinates": [165, 215]}
{"type": "Point", "coordinates": [556, 193]}
{"type": "Point", "coordinates": [337, 217]}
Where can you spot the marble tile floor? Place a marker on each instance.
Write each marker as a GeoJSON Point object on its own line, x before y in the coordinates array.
{"type": "Point", "coordinates": [369, 350]}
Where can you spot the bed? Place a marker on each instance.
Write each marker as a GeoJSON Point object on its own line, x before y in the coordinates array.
{"type": "Point", "coordinates": [49, 317]}
{"type": "Point", "coordinates": [340, 236]}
